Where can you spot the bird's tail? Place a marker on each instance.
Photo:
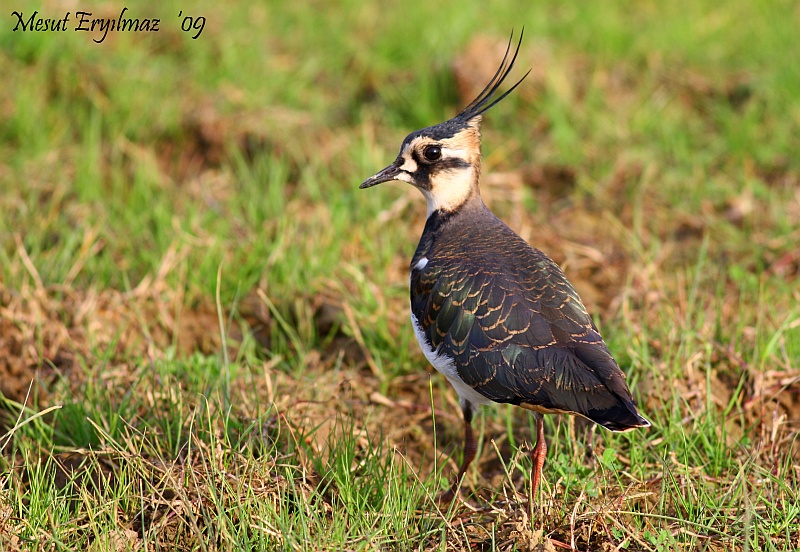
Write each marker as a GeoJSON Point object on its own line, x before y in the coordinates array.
{"type": "Point", "coordinates": [621, 419]}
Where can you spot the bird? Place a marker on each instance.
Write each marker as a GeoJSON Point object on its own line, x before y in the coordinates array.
{"type": "Point", "coordinates": [497, 317]}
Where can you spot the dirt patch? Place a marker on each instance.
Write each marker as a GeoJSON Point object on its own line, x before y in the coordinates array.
{"type": "Point", "coordinates": [49, 333]}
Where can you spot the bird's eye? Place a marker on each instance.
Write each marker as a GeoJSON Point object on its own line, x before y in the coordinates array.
{"type": "Point", "coordinates": [432, 153]}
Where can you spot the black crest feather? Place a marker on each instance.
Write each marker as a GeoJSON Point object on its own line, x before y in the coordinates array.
{"type": "Point", "coordinates": [486, 100]}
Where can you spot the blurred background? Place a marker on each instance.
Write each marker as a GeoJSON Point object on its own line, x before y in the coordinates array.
{"type": "Point", "coordinates": [180, 217]}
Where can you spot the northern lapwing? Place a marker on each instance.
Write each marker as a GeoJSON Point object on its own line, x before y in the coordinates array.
{"type": "Point", "coordinates": [497, 317]}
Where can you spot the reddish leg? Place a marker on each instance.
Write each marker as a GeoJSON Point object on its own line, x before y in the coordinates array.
{"type": "Point", "coordinates": [470, 450]}
{"type": "Point", "coordinates": [538, 455]}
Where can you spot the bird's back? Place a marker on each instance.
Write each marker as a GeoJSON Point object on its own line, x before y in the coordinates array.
{"type": "Point", "coordinates": [510, 321]}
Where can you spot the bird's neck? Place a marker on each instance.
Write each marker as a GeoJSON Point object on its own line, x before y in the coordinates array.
{"type": "Point", "coordinates": [438, 215]}
{"type": "Point", "coordinates": [470, 219]}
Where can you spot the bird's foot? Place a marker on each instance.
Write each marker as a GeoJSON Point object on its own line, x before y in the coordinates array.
{"type": "Point", "coordinates": [451, 494]}
{"type": "Point", "coordinates": [447, 497]}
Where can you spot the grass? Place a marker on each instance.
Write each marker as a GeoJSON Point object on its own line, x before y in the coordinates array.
{"type": "Point", "coordinates": [204, 338]}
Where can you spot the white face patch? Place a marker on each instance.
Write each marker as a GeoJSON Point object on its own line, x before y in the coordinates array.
{"type": "Point", "coordinates": [404, 177]}
{"type": "Point", "coordinates": [409, 165]}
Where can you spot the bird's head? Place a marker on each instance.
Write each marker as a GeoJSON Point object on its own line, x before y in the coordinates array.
{"type": "Point", "coordinates": [444, 161]}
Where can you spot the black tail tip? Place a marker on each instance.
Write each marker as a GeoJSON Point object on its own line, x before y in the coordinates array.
{"type": "Point", "coordinates": [633, 422]}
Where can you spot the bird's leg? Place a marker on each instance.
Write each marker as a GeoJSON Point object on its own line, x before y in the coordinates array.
{"type": "Point", "coordinates": [470, 450]}
{"type": "Point", "coordinates": [538, 455]}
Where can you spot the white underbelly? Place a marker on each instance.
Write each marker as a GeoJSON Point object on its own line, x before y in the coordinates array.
{"type": "Point", "coordinates": [445, 365]}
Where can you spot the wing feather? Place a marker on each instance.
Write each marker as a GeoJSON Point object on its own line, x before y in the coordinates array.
{"type": "Point", "coordinates": [516, 329]}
